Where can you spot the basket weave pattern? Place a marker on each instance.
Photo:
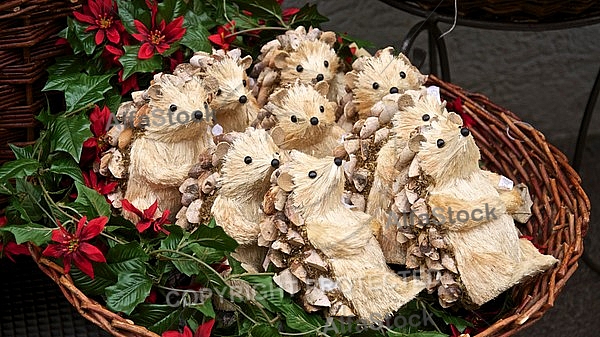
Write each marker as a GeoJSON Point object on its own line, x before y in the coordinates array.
{"type": "Point", "coordinates": [508, 146]}
{"type": "Point", "coordinates": [28, 38]}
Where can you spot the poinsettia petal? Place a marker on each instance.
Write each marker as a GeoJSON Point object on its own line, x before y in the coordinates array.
{"type": "Point", "coordinates": [106, 189]}
{"type": "Point", "coordinates": [162, 47]}
{"type": "Point", "coordinates": [146, 51]}
{"type": "Point", "coordinates": [84, 265]}
{"type": "Point", "coordinates": [93, 228]}
{"type": "Point", "coordinates": [61, 235]}
{"type": "Point", "coordinates": [15, 249]}
{"type": "Point", "coordinates": [99, 36]}
{"type": "Point", "coordinates": [205, 329]}
{"type": "Point", "coordinates": [143, 225]}
{"type": "Point", "coordinates": [130, 208]}
{"type": "Point", "coordinates": [95, 8]}
{"type": "Point", "coordinates": [114, 50]}
{"type": "Point", "coordinates": [84, 18]}
{"type": "Point", "coordinates": [80, 226]}
{"type": "Point", "coordinates": [91, 252]}
{"type": "Point", "coordinates": [149, 213]}
{"type": "Point", "coordinates": [67, 262]}
{"type": "Point", "coordinates": [174, 30]}
{"type": "Point", "coordinates": [55, 251]}
{"type": "Point", "coordinates": [113, 35]}
{"type": "Point", "coordinates": [171, 333]}
{"type": "Point", "coordinates": [216, 39]}
{"type": "Point", "coordinates": [142, 29]}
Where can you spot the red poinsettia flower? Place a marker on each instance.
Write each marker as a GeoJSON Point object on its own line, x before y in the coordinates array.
{"type": "Point", "coordinates": [75, 247]}
{"type": "Point", "coordinates": [101, 16]}
{"type": "Point", "coordinates": [223, 38]}
{"type": "Point", "coordinates": [204, 330]}
{"type": "Point", "coordinates": [3, 221]}
{"type": "Point", "coordinates": [159, 37]}
{"type": "Point", "coordinates": [455, 333]}
{"type": "Point", "coordinates": [289, 12]}
{"type": "Point", "coordinates": [101, 186]}
{"type": "Point", "coordinates": [147, 217]}
{"type": "Point", "coordinates": [11, 249]}
{"type": "Point", "coordinates": [99, 122]}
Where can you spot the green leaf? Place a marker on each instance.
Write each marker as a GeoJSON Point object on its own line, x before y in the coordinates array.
{"type": "Point", "coordinates": [18, 169]}
{"type": "Point", "coordinates": [86, 91]}
{"type": "Point", "coordinates": [460, 323]}
{"type": "Point", "coordinates": [26, 200]}
{"type": "Point", "coordinates": [37, 234]}
{"type": "Point", "coordinates": [170, 9]}
{"type": "Point", "coordinates": [112, 99]}
{"type": "Point", "coordinates": [79, 39]}
{"type": "Point", "coordinates": [263, 330]}
{"type": "Point", "coordinates": [22, 152]}
{"type": "Point", "coordinates": [129, 257]}
{"type": "Point", "coordinates": [62, 83]}
{"type": "Point", "coordinates": [260, 8]}
{"type": "Point", "coordinates": [90, 203]}
{"type": "Point", "coordinates": [65, 65]}
{"type": "Point", "coordinates": [309, 16]}
{"type": "Point", "coordinates": [131, 289]}
{"type": "Point", "coordinates": [103, 278]}
{"type": "Point", "coordinates": [131, 10]}
{"type": "Point", "coordinates": [132, 64]}
{"type": "Point", "coordinates": [68, 134]}
{"type": "Point", "coordinates": [66, 165]}
{"type": "Point", "coordinates": [206, 308]}
{"type": "Point", "coordinates": [157, 318]}
{"type": "Point", "coordinates": [196, 34]}
{"type": "Point", "coordinates": [416, 334]}
{"type": "Point", "coordinates": [214, 237]}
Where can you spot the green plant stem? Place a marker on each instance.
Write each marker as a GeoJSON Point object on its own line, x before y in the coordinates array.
{"type": "Point", "coordinates": [191, 257]}
{"type": "Point", "coordinates": [248, 274]}
{"type": "Point", "coordinates": [115, 239]}
{"type": "Point", "coordinates": [253, 29]}
{"type": "Point", "coordinates": [52, 203]}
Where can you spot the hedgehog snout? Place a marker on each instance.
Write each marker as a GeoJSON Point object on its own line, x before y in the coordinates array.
{"type": "Point", "coordinates": [198, 114]}
{"type": "Point", "coordinates": [320, 77]}
{"type": "Point", "coordinates": [275, 163]}
{"type": "Point", "coordinates": [393, 90]}
{"type": "Point", "coordinates": [314, 121]}
{"type": "Point", "coordinates": [243, 99]}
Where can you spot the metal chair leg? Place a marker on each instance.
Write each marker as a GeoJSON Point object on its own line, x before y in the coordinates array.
{"type": "Point", "coordinates": [437, 47]}
{"type": "Point", "coordinates": [585, 123]}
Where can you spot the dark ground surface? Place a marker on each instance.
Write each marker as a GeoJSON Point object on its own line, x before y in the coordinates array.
{"type": "Point", "coordinates": [31, 304]}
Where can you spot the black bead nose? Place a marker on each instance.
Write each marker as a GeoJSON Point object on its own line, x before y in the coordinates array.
{"type": "Point", "coordinates": [338, 161]}
{"type": "Point", "coordinates": [320, 77]}
{"type": "Point", "coordinates": [393, 90]}
{"type": "Point", "coordinates": [275, 163]}
{"type": "Point", "coordinates": [198, 114]}
{"type": "Point", "coordinates": [314, 121]}
{"type": "Point", "coordinates": [464, 132]}
{"type": "Point", "coordinates": [243, 99]}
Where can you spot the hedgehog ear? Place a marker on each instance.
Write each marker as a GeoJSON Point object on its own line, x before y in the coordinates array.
{"type": "Point", "coordinates": [414, 143]}
{"type": "Point", "coordinates": [278, 135]}
{"type": "Point", "coordinates": [280, 59]}
{"type": "Point", "coordinates": [221, 150]}
{"type": "Point", "coordinates": [404, 58]}
{"type": "Point", "coordinates": [211, 84]}
{"type": "Point", "coordinates": [405, 101]}
{"type": "Point", "coordinates": [387, 50]}
{"type": "Point", "coordinates": [285, 182]}
{"type": "Point", "coordinates": [322, 88]}
{"type": "Point", "coordinates": [278, 96]}
{"type": "Point", "coordinates": [328, 38]}
{"type": "Point", "coordinates": [351, 78]}
{"type": "Point", "coordinates": [455, 118]}
{"type": "Point", "coordinates": [332, 105]}
{"type": "Point", "coordinates": [155, 92]}
{"type": "Point", "coordinates": [246, 62]}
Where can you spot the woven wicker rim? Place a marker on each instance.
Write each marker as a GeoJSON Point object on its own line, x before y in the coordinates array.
{"type": "Point", "coordinates": [509, 146]}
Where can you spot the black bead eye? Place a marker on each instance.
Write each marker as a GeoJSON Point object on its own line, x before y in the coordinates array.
{"type": "Point", "coordinates": [173, 107]}
{"type": "Point", "coordinates": [337, 161]}
{"type": "Point", "coordinates": [244, 82]}
{"type": "Point", "coordinates": [426, 117]}
{"type": "Point", "coordinates": [198, 114]}
{"type": "Point", "coordinates": [402, 75]}
{"type": "Point", "coordinates": [326, 63]}
{"type": "Point", "coordinates": [275, 163]}
{"type": "Point", "coordinates": [299, 68]}
{"type": "Point", "coordinates": [312, 174]}
{"type": "Point", "coordinates": [375, 85]}
{"type": "Point", "coordinates": [322, 108]}
{"type": "Point", "coordinates": [294, 119]}
{"type": "Point", "coordinates": [219, 92]}
{"type": "Point", "coordinates": [440, 143]}
{"type": "Point", "coordinates": [247, 160]}
{"type": "Point", "coordinates": [465, 132]}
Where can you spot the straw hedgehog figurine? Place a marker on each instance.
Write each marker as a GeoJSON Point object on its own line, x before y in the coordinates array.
{"type": "Point", "coordinates": [245, 178]}
{"type": "Point", "coordinates": [162, 156]}
{"type": "Point", "coordinates": [299, 55]}
{"type": "Point", "coordinates": [374, 77]}
{"type": "Point", "coordinates": [233, 105]}
{"type": "Point", "coordinates": [305, 119]}
{"type": "Point", "coordinates": [345, 238]}
{"type": "Point", "coordinates": [489, 255]}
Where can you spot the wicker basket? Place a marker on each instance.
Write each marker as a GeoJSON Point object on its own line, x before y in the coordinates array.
{"type": "Point", "coordinates": [559, 223]}
{"type": "Point", "coordinates": [28, 38]}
